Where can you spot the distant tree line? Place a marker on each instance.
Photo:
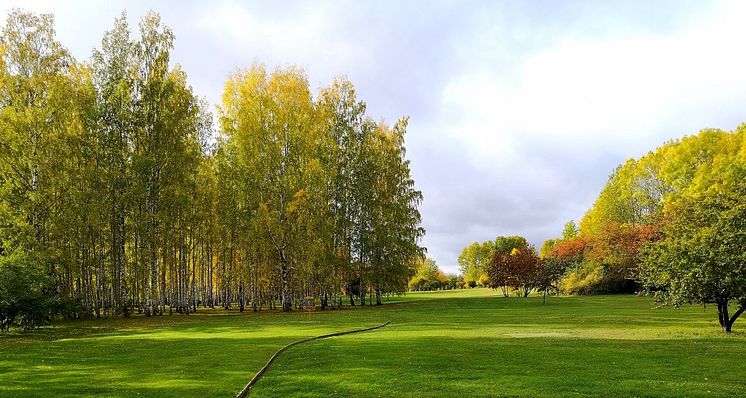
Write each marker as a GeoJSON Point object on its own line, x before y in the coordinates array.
{"type": "Point", "coordinates": [116, 195]}
{"type": "Point", "coordinates": [509, 264]}
{"type": "Point", "coordinates": [476, 258]}
{"type": "Point", "coordinates": [428, 276]}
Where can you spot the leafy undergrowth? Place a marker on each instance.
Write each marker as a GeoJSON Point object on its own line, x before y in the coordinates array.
{"type": "Point", "coordinates": [460, 343]}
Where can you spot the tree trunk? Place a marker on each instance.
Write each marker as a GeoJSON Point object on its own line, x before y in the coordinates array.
{"type": "Point", "coordinates": [726, 321]}
{"type": "Point", "coordinates": [210, 288]}
{"type": "Point", "coordinates": [153, 292]}
{"type": "Point", "coordinates": [240, 296]}
{"type": "Point", "coordinates": [734, 317]}
{"type": "Point", "coordinates": [324, 299]}
{"type": "Point", "coordinates": [193, 290]}
{"type": "Point", "coordinates": [284, 275]}
{"type": "Point", "coordinates": [121, 261]}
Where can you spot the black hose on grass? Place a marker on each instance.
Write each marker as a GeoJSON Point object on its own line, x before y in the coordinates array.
{"type": "Point", "coordinates": [264, 368]}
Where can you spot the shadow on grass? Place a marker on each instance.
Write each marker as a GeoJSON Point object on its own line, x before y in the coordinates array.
{"type": "Point", "coordinates": [136, 367]}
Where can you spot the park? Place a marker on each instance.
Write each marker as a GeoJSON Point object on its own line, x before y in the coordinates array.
{"type": "Point", "coordinates": [255, 200]}
{"type": "Point", "coordinates": [472, 342]}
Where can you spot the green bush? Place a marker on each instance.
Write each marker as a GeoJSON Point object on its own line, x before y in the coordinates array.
{"type": "Point", "coordinates": [27, 297]}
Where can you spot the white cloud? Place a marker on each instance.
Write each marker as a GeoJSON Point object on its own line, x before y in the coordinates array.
{"type": "Point", "coordinates": [584, 94]}
{"type": "Point", "coordinates": [301, 35]}
{"type": "Point", "coordinates": [545, 129]}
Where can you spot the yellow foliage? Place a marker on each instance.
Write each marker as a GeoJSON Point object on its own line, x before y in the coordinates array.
{"type": "Point", "coordinates": [581, 281]}
{"type": "Point", "coordinates": [442, 277]}
{"type": "Point", "coordinates": [484, 280]}
{"type": "Point", "coordinates": [299, 199]}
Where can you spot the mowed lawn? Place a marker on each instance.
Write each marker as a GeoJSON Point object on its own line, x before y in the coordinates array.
{"type": "Point", "coordinates": [459, 344]}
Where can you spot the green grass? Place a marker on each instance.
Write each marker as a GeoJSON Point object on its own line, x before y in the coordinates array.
{"type": "Point", "coordinates": [461, 343]}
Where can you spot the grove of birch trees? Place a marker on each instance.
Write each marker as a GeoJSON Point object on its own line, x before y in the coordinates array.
{"type": "Point", "coordinates": [118, 194]}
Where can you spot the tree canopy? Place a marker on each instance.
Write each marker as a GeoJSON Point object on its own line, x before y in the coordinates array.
{"type": "Point", "coordinates": [476, 257]}
{"type": "Point", "coordinates": [116, 193]}
{"type": "Point", "coordinates": [700, 257]}
{"type": "Point", "coordinates": [669, 223]}
{"type": "Point", "coordinates": [428, 276]}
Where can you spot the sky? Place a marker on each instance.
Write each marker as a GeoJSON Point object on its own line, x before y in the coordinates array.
{"type": "Point", "coordinates": [519, 110]}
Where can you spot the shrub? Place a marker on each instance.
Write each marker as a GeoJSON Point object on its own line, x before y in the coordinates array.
{"type": "Point", "coordinates": [27, 297]}
{"type": "Point", "coordinates": [591, 278]}
{"type": "Point", "coordinates": [582, 280]}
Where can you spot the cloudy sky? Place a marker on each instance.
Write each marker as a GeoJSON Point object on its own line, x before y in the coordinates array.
{"type": "Point", "coordinates": [519, 110]}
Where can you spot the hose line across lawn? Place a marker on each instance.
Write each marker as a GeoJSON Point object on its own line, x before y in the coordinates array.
{"type": "Point", "coordinates": [264, 368]}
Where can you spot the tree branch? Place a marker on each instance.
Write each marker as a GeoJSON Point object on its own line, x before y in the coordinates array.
{"type": "Point", "coordinates": [737, 314]}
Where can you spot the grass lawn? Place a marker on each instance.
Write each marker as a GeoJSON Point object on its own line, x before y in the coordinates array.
{"type": "Point", "coordinates": [460, 343]}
